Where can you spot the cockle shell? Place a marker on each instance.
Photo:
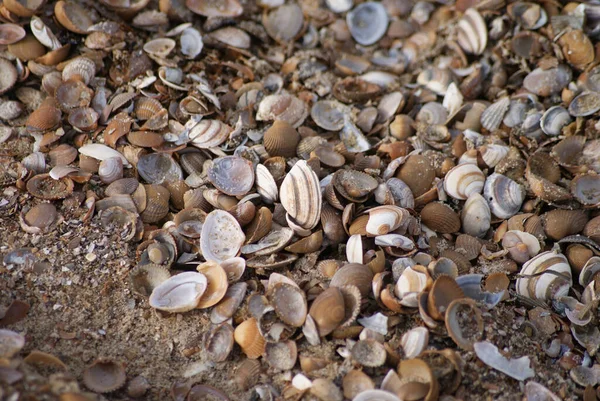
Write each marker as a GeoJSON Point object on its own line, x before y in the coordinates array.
{"type": "Point", "coordinates": [545, 287]}
{"type": "Point", "coordinates": [180, 293]}
{"type": "Point", "coordinates": [367, 22]}
{"type": "Point", "coordinates": [300, 195]}
{"type": "Point", "coordinates": [222, 237]}
{"type": "Point", "coordinates": [464, 180]}
{"type": "Point", "coordinates": [504, 195]}
{"type": "Point", "coordinates": [472, 32]}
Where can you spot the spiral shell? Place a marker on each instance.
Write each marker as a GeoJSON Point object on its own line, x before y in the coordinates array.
{"type": "Point", "coordinates": [300, 195]}
{"type": "Point", "coordinates": [464, 180]}
{"type": "Point", "coordinates": [541, 286]}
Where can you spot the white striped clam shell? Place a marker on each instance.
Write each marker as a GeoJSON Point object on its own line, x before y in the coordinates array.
{"type": "Point", "coordinates": [545, 287]}
{"type": "Point", "coordinates": [492, 154]}
{"type": "Point", "coordinates": [492, 117]}
{"type": "Point", "coordinates": [464, 180]}
{"type": "Point", "coordinates": [209, 134]}
{"type": "Point", "coordinates": [300, 196]}
{"type": "Point", "coordinates": [476, 216]}
{"type": "Point", "coordinates": [266, 185]}
{"type": "Point", "coordinates": [472, 32]}
{"type": "Point", "coordinates": [504, 195]}
{"type": "Point", "coordinates": [410, 283]}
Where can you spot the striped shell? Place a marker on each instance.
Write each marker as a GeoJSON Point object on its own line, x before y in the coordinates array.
{"type": "Point", "coordinates": [209, 133]}
{"type": "Point", "coordinates": [463, 181]}
{"type": "Point", "coordinates": [545, 287]}
{"type": "Point", "coordinates": [472, 32]}
{"type": "Point", "coordinates": [504, 195]}
{"type": "Point", "coordinates": [476, 216]}
{"type": "Point", "coordinates": [300, 195]}
{"type": "Point", "coordinates": [282, 107]}
{"type": "Point", "coordinates": [81, 68]}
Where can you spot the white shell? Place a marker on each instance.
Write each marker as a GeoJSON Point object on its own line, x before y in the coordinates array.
{"type": "Point", "coordinates": [160, 47]}
{"type": "Point", "coordinates": [492, 117]}
{"type": "Point", "coordinates": [354, 249]}
{"type": "Point", "coordinates": [395, 240]}
{"type": "Point", "coordinates": [516, 368]}
{"type": "Point", "coordinates": [43, 34]}
{"type": "Point", "coordinates": [493, 154]}
{"type": "Point", "coordinates": [414, 342]}
{"type": "Point", "coordinates": [375, 395]}
{"type": "Point", "coordinates": [472, 32]}
{"type": "Point", "coordinates": [209, 133]}
{"type": "Point", "coordinates": [545, 286]}
{"type": "Point", "coordinates": [179, 293]}
{"type": "Point", "coordinates": [191, 43]}
{"type": "Point", "coordinates": [453, 99]}
{"type": "Point", "coordinates": [504, 195]}
{"type": "Point", "coordinates": [266, 185]}
{"type": "Point", "coordinates": [367, 22]}
{"type": "Point", "coordinates": [300, 195]}
{"type": "Point", "coordinates": [409, 285]}
{"type": "Point", "coordinates": [221, 237]}
{"type": "Point", "coordinates": [102, 152]}
{"type": "Point", "coordinates": [339, 6]}
{"type": "Point", "coordinates": [476, 216]}
{"type": "Point", "coordinates": [110, 169]}
{"type": "Point", "coordinates": [353, 138]}
{"type": "Point", "coordinates": [385, 219]}
{"type": "Point", "coordinates": [464, 180]}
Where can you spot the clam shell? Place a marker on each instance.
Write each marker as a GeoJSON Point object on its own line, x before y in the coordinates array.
{"type": "Point", "coordinates": [464, 323]}
{"type": "Point", "coordinates": [222, 236]}
{"type": "Point", "coordinates": [84, 119]}
{"type": "Point", "coordinates": [493, 154]}
{"type": "Point", "coordinates": [229, 304]}
{"type": "Point", "coordinates": [554, 120]}
{"type": "Point", "coordinates": [328, 310]}
{"type": "Point", "coordinates": [45, 187]}
{"type": "Point", "coordinates": [410, 283]}
{"type": "Point", "coordinates": [584, 104]}
{"type": "Point", "coordinates": [11, 33]}
{"type": "Point", "coordinates": [110, 170]}
{"type": "Point", "coordinates": [300, 195]}
{"type": "Point", "coordinates": [559, 224]}
{"type": "Point", "coordinates": [283, 107]}
{"type": "Point", "coordinates": [248, 337]}
{"type": "Point", "coordinates": [232, 175]}
{"type": "Point", "coordinates": [281, 139]}
{"type": "Point", "coordinates": [504, 195]}
{"type": "Point", "coordinates": [353, 89]}
{"type": "Point", "coordinates": [23, 8]}
{"type": "Point", "coordinates": [158, 168]}
{"type": "Point", "coordinates": [472, 32]}
{"type": "Point", "coordinates": [354, 274]}
{"type": "Point", "coordinates": [375, 395]}
{"type": "Point", "coordinates": [586, 189]}
{"type": "Point", "coordinates": [522, 246]}
{"type": "Point", "coordinates": [218, 342]}
{"type": "Point", "coordinates": [266, 185]}
{"type": "Point", "coordinates": [443, 292]}
{"type": "Point", "coordinates": [73, 17]}
{"type": "Point", "coordinates": [440, 217]}
{"type": "Point", "coordinates": [401, 192]}
{"type": "Point", "coordinates": [367, 22]}
{"type": "Point", "coordinates": [217, 284]}
{"type": "Point", "coordinates": [81, 69]}
{"type": "Point", "coordinates": [464, 180]}
{"type": "Point", "coordinates": [27, 48]}
{"type": "Point", "coordinates": [8, 75]}
{"type": "Point", "coordinates": [282, 355]}
{"type": "Point", "coordinates": [418, 173]}
{"type": "Point", "coordinates": [102, 152]}
{"type": "Point", "coordinates": [529, 15]}
{"type": "Point", "coordinates": [191, 43]}
{"type": "Point", "coordinates": [368, 353]}
{"type": "Point", "coordinates": [414, 342]}
{"type": "Point", "coordinates": [284, 23]}
{"type": "Point", "coordinates": [218, 8]}
{"type": "Point", "coordinates": [545, 286]}
{"type": "Point", "coordinates": [384, 219]}
{"type": "Point", "coordinates": [290, 304]}
{"type": "Point", "coordinates": [104, 376]}
{"type": "Point", "coordinates": [160, 47]}
{"type": "Point", "coordinates": [357, 382]}
{"type": "Point", "coordinates": [232, 36]}
{"type": "Point", "coordinates": [209, 134]}
{"type": "Point", "coordinates": [329, 114]}
{"type": "Point", "coordinates": [547, 82]}
{"type": "Point", "coordinates": [10, 343]}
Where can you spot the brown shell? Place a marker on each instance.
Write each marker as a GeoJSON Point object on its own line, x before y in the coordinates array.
{"type": "Point", "coordinates": [27, 48]}
{"type": "Point", "coordinates": [354, 274]}
{"type": "Point", "coordinates": [248, 337]}
{"type": "Point", "coordinates": [41, 216]}
{"type": "Point", "coordinates": [145, 139]}
{"type": "Point", "coordinates": [354, 90]}
{"type": "Point", "coordinates": [418, 173]}
{"type": "Point", "coordinates": [104, 376]}
{"type": "Point", "coordinates": [45, 187]}
{"type": "Point", "coordinates": [44, 119]}
{"type": "Point", "coordinates": [561, 223]}
{"type": "Point", "coordinates": [443, 292]}
{"type": "Point", "coordinates": [464, 323]}
{"type": "Point", "coordinates": [577, 48]}
{"type": "Point", "coordinates": [440, 217]}
{"type": "Point", "coordinates": [146, 108]}
{"type": "Point", "coordinates": [73, 17]}
{"type": "Point", "coordinates": [157, 206]}
{"type": "Point", "coordinates": [328, 310]}
{"type": "Point", "coordinates": [84, 119]}
{"type": "Point", "coordinates": [592, 229]}
{"type": "Point", "coordinates": [290, 304]}
{"type": "Point", "coordinates": [72, 94]}
{"type": "Point", "coordinates": [281, 139]}
{"type": "Point", "coordinates": [22, 8]}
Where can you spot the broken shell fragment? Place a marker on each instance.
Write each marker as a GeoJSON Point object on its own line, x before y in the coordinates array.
{"type": "Point", "coordinates": [472, 32]}
{"type": "Point", "coordinates": [179, 293]}
{"type": "Point", "coordinates": [547, 276]}
{"type": "Point", "coordinates": [464, 323]}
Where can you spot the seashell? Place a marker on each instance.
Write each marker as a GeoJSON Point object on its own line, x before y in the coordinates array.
{"type": "Point", "coordinates": [102, 152]}
{"type": "Point", "coordinates": [209, 134]}
{"type": "Point", "coordinates": [232, 36]}
{"type": "Point", "coordinates": [584, 104]}
{"type": "Point", "coordinates": [504, 195]}
{"type": "Point", "coordinates": [414, 342]}
{"type": "Point", "coordinates": [410, 283]}
{"type": "Point", "coordinates": [289, 302]}
{"type": "Point", "coordinates": [464, 323]}
{"type": "Point", "coordinates": [309, 244]}
{"type": "Point", "coordinates": [472, 32]}
{"type": "Point", "coordinates": [283, 107]}
{"type": "Point", "coordinates": [84, 119]}
{"type": "Point", "coordinates": [217, 284]}
{"type": "Point", "coordinates": [73, 94]}
{"type": "Point", "coordinates": [328, 310]}
{"type": "Point", "coordinates": [384, 219]}
{"type": "Point", "coordinates": [23, 8]}
{"type": "Point", "coordinates": [80, 69]}
{"type": "Point", "coordinates": [232, 175]}
{"type": "Point", "coordinates": [229, 304]}
{"type": "Point", "coordinates": [248, 337]}
{"type": "Point", "coordinates": [157, 203]}
{"type": "Point", "coordinates": [136, 388]}
{"type": "Point", "coordinates": [542, 173]}
{"type": "Point", "coordinates": [43, 34]}
{"type": "Point", "coordinates": [27, 48]}
{"type": "Point", "coordinates": [179, 293]}
{"type": "Point", "coordinates": [357, 382]}
{"type": "Point", "coordinates": [354, 89]}
{"type": "Point", "coordinates": [8, 75]}
{"type": "Point", "coordinates": [191, 43]}
{"type": "Point", "coordinates": [492, 117]}
{"type": "Point", "coordinates": [547, 82]}
{"type": "Point", "coordinates": [282, 355]}
{"type": "Point", "coordinates": [104, 376]}
{"type": "Point", "coordinates": [325, 389]}
{"type": "Point", "coordinates": [110, 170]}
{"type": "Point", "coordinates": [11, 343]}
{"type": "Point", "coordinates": [160, 47]}
{"type": "Point", "coordinates": [440, 217]}
{"type": "Point", "coordinates": [401, 192]}
{"type": "Point", "coordinates": [222, 236]}
{"type": "Point", "coordinates": [284, 23]}
{"type": "Point", "coordinates": [493, 154]}
{"type": "Point", "coordinates": [369, 352]}
{"type": "Point", "coordinates": [73, 17]}
{"type": "Point", "coordinates": [35, 162]}
{"type": "Point", "coordinates": [436, 79]}
{"type": "Point", "coordinates": [375, 395]}
{"type": "Point", "coordinates": [300, 195]}
{"type": "Point", "coordinates": [464, 180]}
{"type": "Point", "coordinates": [219, 8]}
{"type": "Point", "coordinates": [355, 274]}
{"type": "Point", "coordinates": [11, 33]}
{"type": "Point", "coordinates": [559, 224]}
{"type": "Point", "coordinates": [145, 278]}
{"type": "Point", "coordinates": [522, 246]}
{"type": "Point", "coordinates": [367, 22]}
{"type": "Point", "coordinates": [44, 119]}
{"type": "Point", "coordinates": [432, 113]}
{"type": "Point", "coordinates": [158, 168]}
{"type": "Point", "coordinates": [577, 48]}
{"type": "Point", "coordinates": [39, 218]}
{"type": "Point", "coordinates": [442, 293]}
{"type": "Point", "coordinates": [418, 173]}
{"type": "Point", "coordinates": [529, 15]}
{"type": "Point", "coordinates": [45, 187]}
{"type": "Point", "coordinates": [536, 284]}
{"type": "Point", "coordinates": [585, 188]}
{"type": "Point", "coordinates": [329, 114]}
{"type": "Point", "coordinates": [417, 380]}
{"type": "Point", "coordinates": [554, 120]}
{"type": "Point", "coordinates": [281, 139]}
{"type": "Point", "coordinates": [353, 139]}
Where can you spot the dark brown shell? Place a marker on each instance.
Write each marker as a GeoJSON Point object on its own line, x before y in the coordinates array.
{"type": "Point", "coordinates": [440, 217]}
{"type": "Point", "coordinates": [45, 187]}
{"type": "Point", "coordinates": [354, 90]}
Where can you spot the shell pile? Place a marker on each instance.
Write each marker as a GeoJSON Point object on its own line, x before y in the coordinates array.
{"type": "Point", "coordinates": [378, 176]}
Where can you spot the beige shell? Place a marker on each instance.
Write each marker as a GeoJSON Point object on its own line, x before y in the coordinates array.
{"type": "Point", "coordinates": [8, 75]}
{"type": "Point", "coordinates": [522, 246]}
{"type": "Point", "coordinates": [476, 216]}
{"type": "Point", "coordinates": [410, 284]}
{"type": "Point", "coordinates": [281, 355]}
{"type": "Point", "coordinates": [542, 286]}
{"type": "Point", "coordinates": [232, 36]}
{"type": "Point", "coordinates": [23, 8]}
{"type": "Point", "coordinates": [355, 274]}
{"type": "Point", "coordinates": [217, 284]}
{"type": "Point", "coordinates": [209, 134]}
{"type": "Point", "coordinates": [217, 8]}
{"type": "Point", "coordinates": [104, 376]}
{"type": "Point", "coordinates": [145, 278]}
{"type": "Point", "coordinates": [384, 219]}
{"type": "Point", "coordinates": [248, 337]}
{"type": "Point", "coordinates": [179, 293]}
{"type": "Point", "coordinates": [160, 47]}
{"type": "Point", "coordinates": [472, 32]}
{"type": "Point", "coordinates": [283, 107]}
{"type": "Point", "coordinates": [414, 342]}
{"type": "Point", "coordinates": [300, 195]}
{"type": "Point", "coordinates": [464, 180]}
{"type": "Point", "coordinates": [266, 185]}
{"type": "Point", "coordinates": [289, 302]}
{"type": "Point", "coordinates": [73, 17]}
{"type": "Point", "coordinates": [222, 237]}
{"type": "Point", "coordinates": [11, 33]}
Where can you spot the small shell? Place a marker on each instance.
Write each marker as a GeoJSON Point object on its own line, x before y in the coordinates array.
{"type": "Point", "coordinates": [179, 293]}
{"type": "Point", "coordinates": [27, 48]}
{"type": "Point", "coordinates": [290, 304]}
{"type": "Point", "coordinates": [401, 193]}
{"type": "Point", "coordinates": [45, 187]}
{"type": "Point", "coordinates": [230, 303]}
{"type": "Point", "coordinates": [353, 89]}
{"type": "Point", "coordinates": [493, 154]}
{"type": "Point", "coordinates": [492, 117]}
{"type": "Point", "coordinates": [418, 173]}
{"type": "Point", "coordinates": [586, 189]}
{"type": "Point", "coordinates": [222, 236]}
{"type": "Point", "coordinates": [464, 323]}
{"type": "Point", "coordinates": [158, 168]}
{"type": "Point", "coordinates": [355, 274]}
{"type": "Point", "coordinates": [8, 75]}
{"type": "Point", "coordinates": [384, 219]}
{"type": "Point", "coordinates": [44, 119]}
{"type": "Point", "coordinates": [440, 217]}
{"type": "Point", "coordinates": [547, 82]}
{"type": "Point", "coordinates": [84, 119]}
{"type": "Point", "coordinates": [522, 246]}
{"type": "Point", "coordinates": [232, 36]}
{"type": "Point", "coordinates": [217, 284]}
{"type": "Point", "coordinates": [101, 152]}
{"type": "Point", "coordinates": [375, 395]}
{"type": "Point", "coordinates": [538, 285]}
{"type": "Point", "coordinates": [554, 120]}
{"type": "Point", "coordinates": [443, 292]}
{"type": "Point", "coordinates": [329, 114]}
{"type": "Point", "coordinates": [160, 47]}
{"type": "Point", "coordinates": [560, 223]}
{"type": "Point", "coordinates": [281, 139]}
{"type": "Point", "coordinates": [209, 134]}
{"type": "Point", "coordinates": [191, 43]}
{"type": "Point", "coordinates": [218, 342]}
{"type": "Point", "coordinates": [367, 22]}
{"type": "Point", "coordinates": [282, 355]}
{"type": "Point", "coordinates": [328, 310]}
{"type": "Point", "coordinates": [282, 107]}
{"type": "Point", "coordinates": [248, 337]}
{"type": "Point", "coordinates": [472, 32]}
{"type": "Point", "coordinates": [577, 48]}
{"type": "Point", "coordinates": [585, 104]}
{"type": "Point", "coordinates": [414, 342]}
{"type": "Point", "coordinates": [218, 8]}
{"type": "Point", "coordinates": [81, 69]}
{"type": "Point", "coordinates": [411, 282]}
{"type": "Point", "coordinates": [232, 175]}
{"type": "Point", "coordinates": [436, 79]}
{"type": "Point", "coordinates": [11, 33]}
{"type": "Point", "coordinates": [104, 376]}
{"type": "Point", "coordinates": [504, 195]}
{"type": "Point", "coordinates": [369, 352]}
{"type": "Point", "coordinates": [284, 23]}
{"type": "Point", "coordinates": [73, 17]}
{"type": "Point", "coordinates": [300, 195]}
{"type": "Point", "coordinates": [110, 170]}
{"type": "Point", "coordinates": [357, 382]}
{"type": "Point", "coordinates": [464, 180]}
{"type": "Point", "coordinates": [528, 15]}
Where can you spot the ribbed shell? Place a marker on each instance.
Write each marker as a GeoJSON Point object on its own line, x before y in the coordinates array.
{"type": "Point", "coordinates": [282, 107]}
{"type": "Point", "coordinates": [157, 203]}
{"type": "Point", "coordinates": [492, 117]}
{"type": "Point", "coordinates": [440, 217]}
{"type": "Point", "coordinates": [472, 32]}
{"type": "Point", "coordinates": [43, 119]}
{"type": "Point", "coordinates": [209, 133]}
{"type": "Point", "coordinates": [300, 195]}
{"type": "Point", "coordinates": [80, 68]}
{"type": "Point", "coordinates": [281, 139]}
